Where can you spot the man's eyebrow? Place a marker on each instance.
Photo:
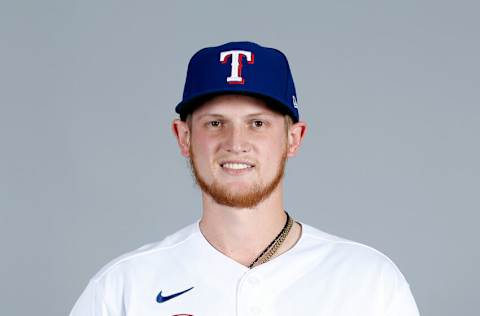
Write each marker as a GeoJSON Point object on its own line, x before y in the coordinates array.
{"type": "Point", "coordinates": [247, 116]}
{"type": "Point", "coordinates": [259, 114]}
{"type": "Point", "coordinates": [210, 115]}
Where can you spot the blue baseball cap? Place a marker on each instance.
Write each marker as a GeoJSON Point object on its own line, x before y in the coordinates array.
{"type": "Point", "coordinates": [240, 68]}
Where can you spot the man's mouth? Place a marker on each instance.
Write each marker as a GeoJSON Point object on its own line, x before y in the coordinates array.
{"type": "Point", "coordinates": [236, 165]}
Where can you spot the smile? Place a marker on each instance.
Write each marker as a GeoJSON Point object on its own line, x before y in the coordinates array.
{"type": "Point", "coordinates": [236, 166]}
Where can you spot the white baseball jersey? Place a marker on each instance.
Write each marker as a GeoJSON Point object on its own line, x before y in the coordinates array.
{"type": "Point", "coordinates": [184, 275]}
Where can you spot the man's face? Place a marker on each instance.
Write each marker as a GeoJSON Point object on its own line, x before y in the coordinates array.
{"type": "Point", "coordinates": [238, 149]}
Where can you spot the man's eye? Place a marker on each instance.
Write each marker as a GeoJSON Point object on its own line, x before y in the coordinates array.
{"type": "Point", "coordinates": [214, 123]}
{"type": "Point", "coordinates": [258, 123]}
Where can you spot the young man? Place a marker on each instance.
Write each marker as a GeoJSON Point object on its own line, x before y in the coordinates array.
{"type": "Point", "coordinates": [238, 125]}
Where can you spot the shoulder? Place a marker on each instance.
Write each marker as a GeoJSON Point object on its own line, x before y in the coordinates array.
{"type": "Point", "coordinates": [351, 257]}
{"type": "Point", "coordinates": [147, 253]}
{"type": "Point", "coordinates": [106, 289]}
{"type": "Point", "coordinates": [359, 270]}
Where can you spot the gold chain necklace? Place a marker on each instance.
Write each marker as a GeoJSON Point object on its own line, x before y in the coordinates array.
{"type": "Point", "coordinates": [272, 248]}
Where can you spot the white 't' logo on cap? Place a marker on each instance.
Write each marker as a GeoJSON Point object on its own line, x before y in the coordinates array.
{"type": "Point", "coordinates": [236, 73]}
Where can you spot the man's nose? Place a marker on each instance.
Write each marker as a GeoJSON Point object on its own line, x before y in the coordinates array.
{"type": "Point", "coordinates": [237, 140]}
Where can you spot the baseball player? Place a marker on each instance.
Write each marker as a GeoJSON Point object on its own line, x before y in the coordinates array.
{"type": "Point", "coordinates": [246, 255]}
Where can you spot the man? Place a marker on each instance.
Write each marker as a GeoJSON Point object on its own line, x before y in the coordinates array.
{"type": "Point", "coordinates": [238, 125]}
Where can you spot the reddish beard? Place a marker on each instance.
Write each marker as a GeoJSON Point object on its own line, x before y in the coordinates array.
{"type": "Point", "coordinates": [249, 199]}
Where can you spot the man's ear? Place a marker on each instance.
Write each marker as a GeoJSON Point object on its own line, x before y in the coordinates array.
{"type": "Point", "coordinates": [296, 133]}
{"type": "Point", "coordinates": [182, 133]}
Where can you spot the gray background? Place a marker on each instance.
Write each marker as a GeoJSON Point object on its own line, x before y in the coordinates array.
{"type": "Point", "coordinates": [90, 169]}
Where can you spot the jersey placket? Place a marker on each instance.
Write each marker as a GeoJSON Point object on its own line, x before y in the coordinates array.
{"type": "Point", "coordinates": [250, 300]}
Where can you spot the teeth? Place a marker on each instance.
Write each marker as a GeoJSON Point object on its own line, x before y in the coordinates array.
{"type": "Point", "coordinates": [235, 166]}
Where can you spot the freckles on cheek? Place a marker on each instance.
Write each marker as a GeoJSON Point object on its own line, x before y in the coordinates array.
{"type": "Point", "coordinates": [273, 151]}
{"type": "Point", "coordinates": [201, 144]}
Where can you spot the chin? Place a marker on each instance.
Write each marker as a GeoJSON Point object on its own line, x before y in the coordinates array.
{"type": "Point", "coordinates": [238, 188]}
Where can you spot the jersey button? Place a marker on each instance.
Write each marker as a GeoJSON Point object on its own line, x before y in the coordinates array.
{"type": "Point", "coordinates": [256, 310]}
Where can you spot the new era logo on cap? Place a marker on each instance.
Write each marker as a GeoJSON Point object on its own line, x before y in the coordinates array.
{"type": "Point", "coordinates": [240, 67]}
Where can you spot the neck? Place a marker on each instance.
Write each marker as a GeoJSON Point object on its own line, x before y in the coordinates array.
{"type": "Point", "coordinates": [242, 234]}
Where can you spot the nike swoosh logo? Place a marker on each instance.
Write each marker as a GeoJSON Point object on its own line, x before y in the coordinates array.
{"type": "Point", "coordinates": [163, 299]}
